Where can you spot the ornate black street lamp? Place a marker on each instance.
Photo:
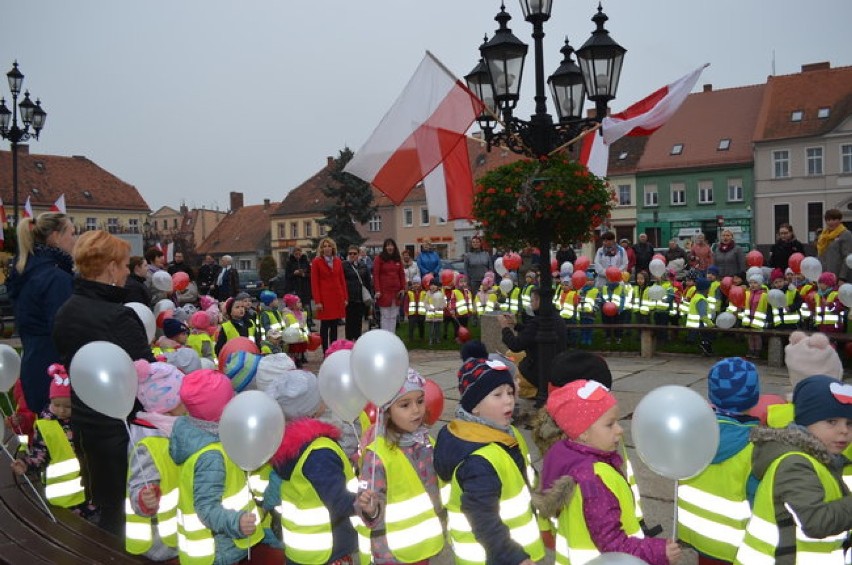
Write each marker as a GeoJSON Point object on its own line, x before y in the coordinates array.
{"type": "Point", "coordinates": [31, 115]}
{"type": "Point", "coordinates": [497, 82]}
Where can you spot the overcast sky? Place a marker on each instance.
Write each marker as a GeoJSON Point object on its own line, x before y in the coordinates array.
{"type": "Point", "coordinates": [191, 99]}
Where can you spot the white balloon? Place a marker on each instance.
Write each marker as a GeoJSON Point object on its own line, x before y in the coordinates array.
{"type": "Point", "coordinates": [849, 260]}
{"type": "Point", "coordinates": [777, 298]}
{"type": "Point", "coordinates": [146, 316]}
{"type": "Point", "coordinates": [811, 268]}
{"type": "Point", "coordinates": [161, 305]}
{"type": "Point", "coordinates": [103, 376]}
{"type": "Point", "coordinates": [567, 268]}
{"type": "Point", "coordinates": [337, 386]}
{"type": "Point", "coordinates": [844, 293]}
{"type": "Point", "coordinates": [10, 368]}
{"type": "Point", "coordinates": [616, 558]}
{"type": "Point", "coordinates": [675, 432]}
{"type": "Point", "coordinates": [657, 267]}
{"type": "Point", "coordinates": [162, 280]}
{"type": "Point", "coordinates": [379, 365]}
{"type": "Point", "coordinates": [656, 292]}
{"type": "Point", "coordinates": [726, 320]}
{"type": "Point", "coordinates": [251, 428]}
{"type": "Point", "coordinates": [506, 286]}
{"type": "Point", "coordinates": [292, 335]}
{"type": "Point", "coordinates": [498, 266]}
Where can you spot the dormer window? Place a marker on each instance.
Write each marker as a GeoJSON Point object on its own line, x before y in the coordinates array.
{"type": "Point", "coordinates": [823, 113]}
{"type": "Point", "coordinates": [622, 156]}
{"type": "Point", "coordinates": [677, 149]}
{"type": "Point", "coordinates": [797, 116]}
{"type": "Point", "coordinates": [87, 194]}
{"type": "Point", "coordinates": [35, 191]}
{"type": "Point", "coordinates": [39, 166]}
{"type": "Point", "coordinates": [724, 144]}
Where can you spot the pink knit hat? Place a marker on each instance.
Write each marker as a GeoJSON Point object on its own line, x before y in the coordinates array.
{"type": "Point", "coordinates": [338, 345]}
{"type": "Point", "coordinates": [290, 300]}
{"type": "Point", "coordinates": [577, 405]}
{"type": "Point", "coordinates": [60, 386]}
{"type": "Point", "coordinates": [205, 394]}
{"type": "Point", "coordinates": [200, 321]}
{"type": "Point", "coordinates": [159, 386]}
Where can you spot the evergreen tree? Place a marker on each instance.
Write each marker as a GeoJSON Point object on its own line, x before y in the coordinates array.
{"type": "Point", "coordinates": [352, 201]}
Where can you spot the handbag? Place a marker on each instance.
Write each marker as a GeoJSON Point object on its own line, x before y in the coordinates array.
{"type": "Point", "coordinates": [366, 297]}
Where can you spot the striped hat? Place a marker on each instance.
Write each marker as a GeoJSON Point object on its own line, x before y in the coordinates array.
{"type": "Point", "coordinates": [241, 368]}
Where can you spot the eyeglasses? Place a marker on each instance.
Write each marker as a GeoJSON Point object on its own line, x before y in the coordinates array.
{"type": "Point", "coordinates": [353, 253]}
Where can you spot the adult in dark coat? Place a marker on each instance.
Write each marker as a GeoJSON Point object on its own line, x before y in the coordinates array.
{"type": "Point", "coordinates": [328, 287]}
{"type": "Point", "coordinates": [784, 246]}
{"type": "Point", "coordinates": [298, 279]}
{"type": "Point", "coordinates": [565, 253]}
{"type": "Point", "coordinates": [356, 274]}
{"type": "Point", "coordinates": [207, 274]}
{"type": "Point", "coordinates": [40, 283]}
{"type": "Point", "coordinates": [227, 281]}
{"type": "Point", "coordinates": [644, 251]}
{"type": "Point", "coordinates": [179, 265]}
{"type": "Point", "coordinates": [96, 312]}
{"type": "Point", "coordinates": [137, 291]}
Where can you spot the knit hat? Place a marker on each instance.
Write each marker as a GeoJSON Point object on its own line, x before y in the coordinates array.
{"type": "Point", "coordinates": [756, 277]}
{"type": "Point", "coordinates": [339, 344]}
{"type": "Point", "coordinates": [200, 321]}
{"type": "Point", "coordinates": [186, 359]}
{"type": "Point", "coordinates": [159, 386]}
{"type": "Point", "coordinates": [229, 305]}
{"type": "Point", "coordinates": [271, 368]}
{"type": "Point", "coordinates": [473, 348]}
{"type": "Point", "coordinates": [290, 300]}
{"type": "Point", "coordinates": [819, 398]}
{"type": "Point", "coordinates": [297, 394]}
{"type": "Point", "coordinates": [173, 327]}
{"type": "Point", "coordinates": [702, 284]}
{"type": "Point", "coordinates": [267, 296]}
{"type": "Point", "coordinates": [60, 385]}
{"type": "Point", "coordinates": [827, 278]}
{"type": "Point", "coordinates": [241, 368]}
{"type": "Point", "coordinates": [242, 295]}
{"type": "Point", "coordinates": [575, 365]}
{"type": "Point", "coordinates": [478, 377]}
{"type": "Point", "coordinates": [713, 270]}
{"type": "Point", "coordinates": [811, 355]}
{"type": "Point", "coordinates": [510, 365]}
{"type": "Point", "coordinates": [733, 385]}
{"type": "Point", "coordinates": [577, 405]}
{"type": "Point", "coordinates": [776, 274]}
{"type": "Point", "coordinates": [413, 381]}
{"type": "Point", "coordinates": [206, 301]}
{"type": "Point", "coordinates": [415, 280]}
{"type": "Point", "coordinates": [205, 393]}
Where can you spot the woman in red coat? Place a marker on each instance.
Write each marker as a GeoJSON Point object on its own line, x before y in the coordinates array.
{"type": "Point", "coordinates": [389, 283]}
{"type": "Point", "coordinates": [328, 287]}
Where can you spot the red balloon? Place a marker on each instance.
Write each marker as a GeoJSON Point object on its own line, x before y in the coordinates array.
{"type": "Point", "coordinates": [427, 280]}
{"type": "Point", "coordinates": [725, 285]}
{"type": "Point", "coordinates": [370, 411]}
{"type": "Point", "coordinates": [464, 335]}
{"type": "Point", "coordinates": [578, 279]}
{"type": "Point", "coordinates": [314, 341]}
{"type": "Point", "coordinates": [659, 256]}
{"type": "Point", "coordinates": [754, 258]}
{"type": "Point", "coordinates": [512, 261]}
{"type": "Point", "coordinates": [610, 309]}
{"type": "Point", "coordinates": [448, 277]}
{"type": "Point", "coordinates": [760, 410]}
{"type": "Point", "coordinates": [554, 266]}
{"type": "Point", "coordinates": [180, 280]}
{"type": "Point", "coordinates": [233, 345]}
{"type": "Point", "coordinates": [582, 263]}
{"type": "Point", "coordinates": [162, 316]}
{"type": "Point", "coordinates": [434, 400]}
{"type": "Point", "coordinates": [613, 274]}
{"type": "Point", "coordinates": [736, 296]}
{"type": "Point", "coordinates": [795, 262]}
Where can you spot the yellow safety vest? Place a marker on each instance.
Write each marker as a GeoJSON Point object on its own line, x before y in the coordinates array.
{"type": "Point", "coordinates": [197, 341]}
{"type": "Point", "coordinates": [693, 319]}
{"type": "Point", "coordinates": [274, 319]}
{"type": "Point", "coordinates": [564, 302]}
{"type": "Point", "coordinates": [139, 530]}
{"type": "Point", "coordinates": [464, 302]}
{"type": "Point", "coordinates": [488, 305]}
{"type": "Point", "coordinates": [196, 545]}
{"type": "Point", "coordinates": [417, 303]}
{"type": "Point", "coordinates": [305, 521]}
{"type": "Point", "coordinates": [258, 480]}
{"type": "Point", "coordinates": [573, 541]}
{"type": "Point", "coordinates": [412, 528]}
{"type": "Point", "coordinates": [757, 320]}
{"type": "Point", "coordinates": [62, 484]}
{"type": "Point", "coordinates": [231, 331]}
{"type": "Point", "coordinates": [587, 305]}
{"type": "Point", "coordinates": [515, 511]}
{"type": "Point", "coordinates": [786, 315]}
{"type": "Point", "coordinates": [512, 301]}
{"type": "Point", "coordinates": [763, 535]}
{"type": "Point", "coordinates": [826, 312]}
{"type": "Point", "coordinates": [713, 509]}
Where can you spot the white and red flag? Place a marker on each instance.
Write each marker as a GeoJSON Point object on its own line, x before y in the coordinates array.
{"type": "Point", "coordinates": [594, 153]}
{"type": "Point", "coordinates": [28, 209]}
{"type": "Point", "coordinates": [423, 130]}
{"type": "Point", "coordinates": [650, 113]}
{"type": "Point", "coordinates": [2, 214]}
{"type": "Point", "coordinates": [59, 205]}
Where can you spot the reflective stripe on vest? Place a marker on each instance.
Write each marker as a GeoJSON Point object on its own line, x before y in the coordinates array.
{"type": "Point", "coordinates": [63, 486]}
{"type": "Point", "coordinates": [693, 319]}
{"type": "Point", "coordinates": [197, 340]}
{"type": "Point", "coordinates": [138, 530]}
{"type": "Point", "coordinates": [464, 302]}
{"type": "Point", "coordinates": [305, 521]}
{"type": "Point", "coordinates": [515, 511]}
{"type": "Point", "coordinates": [417, 303]}
{"type": "Point", "coordinates": [763, 535]}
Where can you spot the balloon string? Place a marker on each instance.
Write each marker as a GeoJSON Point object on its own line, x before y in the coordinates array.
{"type": "Point", "coordinates": [32, 486]}
{"type": "Point", "coordinates": [674, 524]}
{"type": "Point", "coordinates": [379, 430]}
{"type": "Point", "coordinates": [136, 452]}
{"type": "Point", "coordinates": [257, 515]}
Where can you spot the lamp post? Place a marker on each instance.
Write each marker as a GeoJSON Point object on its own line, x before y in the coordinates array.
{"type": "Point", "coordinates": [496, 79]}
{"type": "Point", "coordinates": [31, 115]}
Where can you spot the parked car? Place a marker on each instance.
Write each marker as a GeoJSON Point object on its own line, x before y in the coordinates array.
{"type": "Point", "coordinates": [250, 282]}
{"type": "Point", "coordinates": [454, 264]}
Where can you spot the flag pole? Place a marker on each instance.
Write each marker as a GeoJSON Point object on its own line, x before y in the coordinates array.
{"type": "Point", "coordinates": [576, 139]}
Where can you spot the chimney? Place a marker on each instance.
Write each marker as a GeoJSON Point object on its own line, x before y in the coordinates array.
{"type": "Point", "coordinates": [184, 210]}
{"type": "Point", "coordinates": [266, 203]}
{"type": "Point", "coordinates": [708, 88]}
{"type": "Point", "coordinates": [823, 66]}
{"type": "Point", "coordinates": [330, 161]}
{"type": "Point", "coordinates": [23, 149]}
{"type": "Point", "coordinates": [236, 201]}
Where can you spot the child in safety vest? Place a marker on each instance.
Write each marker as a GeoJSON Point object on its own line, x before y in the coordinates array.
{"type": "Point", "coordinates": [296, 318]}
{"type": "Point", "coordinates": [482, 456]}
{"type": "Point", "coordinates": [802, 510]}
{"type": "Point", "coordinates": [462, 303]}
{"type": "Point", "coordinates": [415, 309]}
{"type": "Point", "coordinates": [237, 324]}
{"type": "Point", "coordinates": [312, 484]}
{"type": "Point", "coordinates": [829, 315]}
{"type": "Point", "coordinates": [754, 313]}
{"type": "Point", "coordinates": [52, 446]}
{"type": "Point", "coordinates": [270, 325]}
{"type": "Point", "coordinates": [714, 506]}
{"type": "Point", "coordinates": [585, 471]}
{"type": "Point", "coordinates": [785, 317]}
{"type": "Point", "coordinates": [435, 303]}
{"type": "Point", "coordinates": [175, 334]}
{"type": "Point", "coordinates": [486, 297]}
{"type": "Point", "coordinates": [400, 524]}
{"type": "Point", "coordinates": [642, 306]}
{"type": "Point", "coordinates": [217, 517]}
{"type": "Point", "coordinates": [152, 475]}
{"type": "Point", "coordinates": [200, 338]}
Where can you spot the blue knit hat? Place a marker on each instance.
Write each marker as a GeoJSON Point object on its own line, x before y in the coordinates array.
{"type": "Point", "coordinates": [821, 397]}
{"type": "Point", "coordinates": [241, 368]}
{"type": "Point", "coordinates": [733, 385]}
{"type": "Point", "coordinates": [702, 284]}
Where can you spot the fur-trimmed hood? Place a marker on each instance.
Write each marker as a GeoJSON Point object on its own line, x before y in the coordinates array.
{"type": "Point", "coordinates": [298, 434]}
{"type": "Point", "coordinates": [551, 502]}
{"type": "Point", "coordinates": [771, 443]}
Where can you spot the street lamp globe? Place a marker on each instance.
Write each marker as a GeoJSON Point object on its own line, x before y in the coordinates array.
{"type": "Point", "coordinates": [16, 79]}
{"type": "Point", "coordinates": [504, 58]}
{"type": "Point", "coordinates": [479, 81]}
{"type": "Point", "coordinates": [536, 9]}
{"type": "Point", "coordinates": [568, 87]}
{"type": "Point", "coordinates": [601, 59]}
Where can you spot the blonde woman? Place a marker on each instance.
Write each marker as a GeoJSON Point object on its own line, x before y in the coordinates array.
{"type": "Point", "coordinates": [328, 287]}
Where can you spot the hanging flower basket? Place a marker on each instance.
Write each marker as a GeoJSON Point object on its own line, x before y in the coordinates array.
{"type": "Point", "coordinates": [513, 202]}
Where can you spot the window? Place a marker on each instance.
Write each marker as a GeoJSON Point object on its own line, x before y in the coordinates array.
{"type": "Point", "coordinates": [133, 225]}
{"type": "Point", "coordinates": [424, 216]}
{"type": "Point", "coordinates": [624, 194]}
{"type": "Point", "coordinates": [797, 116]}
{"type": "Point", "coordinates": [308, 228]}
{"type": "Point", "coordinates": [375, 223]}
{"type": "Point", "coordinates": [782, 214]}
{"type": "Point", "coordinates": [677, 149]}
{"type": "Point", "coordinates": [91, 224]}
{"type": "Point", "coordinates": [175, 223]}
{"type": "Point", "coordinates": [294, 230]}
{"type": "Point", "coordinates": [780, 164]}
{"type": "Point", "coordinates": [735, 190]}
{"type": "Point", "coordinates": [815, 214]}
{"type": "Point", "coordinates": [651, 198]}
{"type": "Point", "coordinates": [823, 113]}
{"type": "Point", "coordinates": [814, 158]}
{"type": "Point", "coordinates": [705, 192]}
{"type": "Point", "coordinates": [724, 144]}
{"type": "Point", "coordinates": [407, 217]}
{"type": "Point", "coordinates": [112, 225]}
{"type": "Point", "coordinates": [323, 230]}
{"type": "Point", "coordinates": [678, 194]}
{"type": "Point", "coordinates": [245, 265]}
{"type": "Point", "coordinates": [846, 158]}
{"type": "Point", "coordinates": [622, 156]}
{"type": "Point", "coordinates": [282, 231]}
{"type": "Point", "coordinates": [165, 225]}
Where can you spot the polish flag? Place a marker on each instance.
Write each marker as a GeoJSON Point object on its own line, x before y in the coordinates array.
{"type": "Point", "coordinates": [2, 213]}
{"type": "Point", "coordinates": [449, 187]}
{"type": "Point", "coordinates": [59, 205]}
{"type": "Point", "coordinates": [425, 125]}
{"type": "Point", "coordinates": [650, 113]}
{"type": "Point", "coordinates": [594, 153]}
{"type": "Point", "coordinates": [169, 252]}
{"type": "Point", "coordinates": [28, 209]}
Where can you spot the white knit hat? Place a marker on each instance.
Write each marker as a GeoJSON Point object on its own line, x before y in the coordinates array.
{"type": "Point", "coordinates": [271, 368]}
